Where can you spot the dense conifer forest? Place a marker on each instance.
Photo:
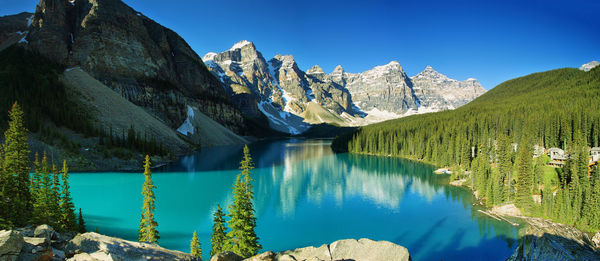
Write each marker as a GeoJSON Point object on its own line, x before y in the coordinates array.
{"type": "Point", "coordinates": [495, 143]}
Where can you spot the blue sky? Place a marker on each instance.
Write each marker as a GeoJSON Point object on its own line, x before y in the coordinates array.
{"type": "Point", "coordinates": [490, 41]}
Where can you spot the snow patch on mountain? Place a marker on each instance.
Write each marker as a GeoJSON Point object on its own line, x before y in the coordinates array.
{"type": "Point", "coordinates": [187, 128]}
{"type": "Point", "coordinates": [239, 45]}
{"type": "Point", "coordinates": [589, 66]}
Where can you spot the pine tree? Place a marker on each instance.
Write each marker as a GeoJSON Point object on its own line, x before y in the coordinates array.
{"type": "Point", "coordinates": [43, 198]}
{"type": "Point", "coordinates": [67, 221]}
{"type": "Point", "coordinates": [218, 239]}
{"type": "Point", "coordinates": [36, 192]}
{"type": "Point", "coordinates": [525, 176]}
{"type": "Point", "coordinates": [81, 223]}
{"type": "Point", "coordinates": [55, 210]}
{"type": "Point", "coordinates": [148, 226]}
{"type": "Point", "coordinates": [195, 249]}
{"type": "Point", "coordinates": [15, 189]}
{"type": "Point", "coordinates": [5, 223]}
{"type": "Point", "coordinates": [242, 238]}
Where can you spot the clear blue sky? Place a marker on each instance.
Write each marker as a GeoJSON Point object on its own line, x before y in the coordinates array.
{"type": "Point", "coordinates": [490, 41]}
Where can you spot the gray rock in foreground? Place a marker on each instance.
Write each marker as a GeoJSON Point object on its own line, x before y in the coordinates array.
{"type": "Point", "coordinates": [347, 249]}
{"type": "Point", "coordinates": [546, 240]}
{"type": "Point", "coordinates": [11, 243]}
{"type": "Point", "coordinates": [93, 246]}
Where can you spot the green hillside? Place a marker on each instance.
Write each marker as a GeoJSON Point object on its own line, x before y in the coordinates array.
{"type": "Point", "coordinates": [550, 105]}
{"type": "Point", "coordinates": [558, 108]}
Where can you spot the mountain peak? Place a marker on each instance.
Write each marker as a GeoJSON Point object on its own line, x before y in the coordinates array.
{"type": "Point", "coordinates": [430, 73]}
{"type": "Point", "coordinates": [588, 66]}
{"type": "Point", "coordinates": [209, 56]}
{"type": "Point", "coordinates": [241, 44]}
{"type": "Point", "coordinates": [315, 70]}
{"type": "Point", "coordinates": [338, 69]}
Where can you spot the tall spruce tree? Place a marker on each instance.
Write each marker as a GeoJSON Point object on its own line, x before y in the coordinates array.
{"type": "Point", "coordinates": [195, 249]}
{"type": "Point", "coordinates": [15, 187]}
{"type": "Point", "coordinates": [36, 191]}
{"type": "Point", "coordinates": [81, 223]}
{"type": "Point", "coordinates": [242, 238]}
{"type": "Point", "coordinates": [148, 226]}
{"type": "Point", "coordinates": [43, 199]}
{"type": "Point", "coordinates": [55, 210]}
{"type": "Point", "coordinates": [218, 239]}
{"type": "Point", "coordinates": [5, 223]}
{"type": "Point", "coordinates": [525, 175]}
{"type": "Point", "coordinates": [67, 221]}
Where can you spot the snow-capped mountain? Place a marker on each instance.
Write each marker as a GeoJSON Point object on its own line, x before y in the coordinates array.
{"type": "Point", "coordinates": [589, 66]}
{"type": "Point", "coordinates": [293, 99]}
{"type": "Point", "coordinates": [437, 91]}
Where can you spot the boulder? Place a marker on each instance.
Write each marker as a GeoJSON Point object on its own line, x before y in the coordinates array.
{"type": "Point", "coordinates": [348, 249]}
{"type": "Point", "coordinates": [45, 231]}
{"type": "Point", "coordinates": [36, 248]}
{"type": "Point", "coordinates": [58, 254]}
{"type": "Point", "coordinates": [26, 231]}
{"type": "Point", "coordinates": [366, 249]}
{"type": "Point", "coordinates": [11, 243]}
{"type": "Point", "coordinates": [226, 256]}
{"type": "Point", "coordinates": [82, 257]}
{"type": "Point", "coordinates": [266, 256]}
{"type": "Point", "coordinates": [102, 247]}
{"type": "Point", "coordinates": [36, 241]}
{"type": "Point", "coordinates": [306, 253]}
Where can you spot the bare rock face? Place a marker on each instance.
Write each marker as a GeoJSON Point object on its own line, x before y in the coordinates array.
{"type": "Point", "coordinates": [545, 240]}
{"type": "Point", "coordinates": [438, 92]}
{"type": "Point", "coordinates": [11, 243]}
{"type": "Point", "coordinates": [93, 246]}
{"type": "Point", "coordinates": [13, 28]}
{"type": "Point", "coordinates": [289, 96]}
{"type": "Point", "coordinates": [349, 249]}
{"type": "Point", "coordinates": [226, 256]}
{"type": "Point", "coordinates": [148, 64]}
{"type": "Point", "coordinates": [245, 76]}
{"type": "Point", "coordinates": [385, 87]}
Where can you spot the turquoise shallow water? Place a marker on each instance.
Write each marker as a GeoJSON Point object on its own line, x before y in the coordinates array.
{"type": "Point", "coordinates": [305, 195]}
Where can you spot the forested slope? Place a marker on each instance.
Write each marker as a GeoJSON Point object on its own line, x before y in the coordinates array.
{"type": "Point", "coordinates": [558, 108]}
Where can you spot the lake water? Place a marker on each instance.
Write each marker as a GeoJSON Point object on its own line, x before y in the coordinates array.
{"type": "Point", "coordinates": [305, 196]}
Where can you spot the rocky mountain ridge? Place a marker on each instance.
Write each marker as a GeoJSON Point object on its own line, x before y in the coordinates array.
{"type": "Point", "coordinates": [148, 64]}
{"type": "Point", "coordinates": [292, 98]}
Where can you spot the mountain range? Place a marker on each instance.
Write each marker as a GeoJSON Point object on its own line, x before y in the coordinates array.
{"type": "Point", "coordinates": [293, 99]}
{"type": "Point", "coordinates": [167, 91]}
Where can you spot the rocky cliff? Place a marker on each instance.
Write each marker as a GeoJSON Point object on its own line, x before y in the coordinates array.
{"type": "Point", "coordinates": [292, 98]}
{"type": "Point", "coordinates": [146, 63]}
{"type": "Point", "coordinates": [438, 92]}
{"type": "Point", "coordinates": [13, 28]}
{"type": "Point", "coordinates": [546, 240]}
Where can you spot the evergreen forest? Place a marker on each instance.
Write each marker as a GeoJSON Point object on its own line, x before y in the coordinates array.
{"type": "Point", "coordinates": [496, 144]}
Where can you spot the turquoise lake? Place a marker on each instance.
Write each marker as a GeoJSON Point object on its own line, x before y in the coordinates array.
{"type": "Point", "coordinates": [305, 196]}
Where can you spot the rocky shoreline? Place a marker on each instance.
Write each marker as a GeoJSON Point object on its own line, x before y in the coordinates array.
{"type": "Point", "coordinates": [43, 243]}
